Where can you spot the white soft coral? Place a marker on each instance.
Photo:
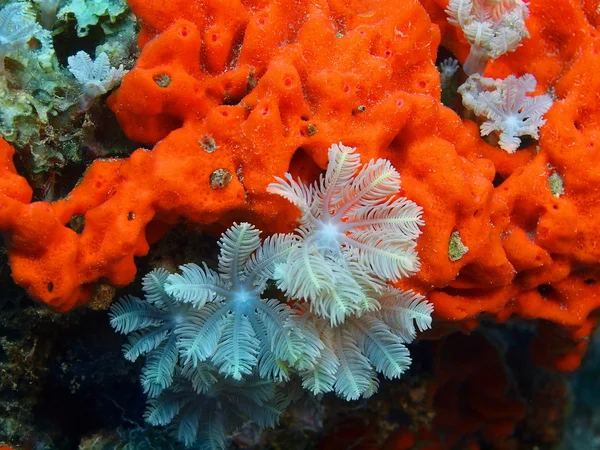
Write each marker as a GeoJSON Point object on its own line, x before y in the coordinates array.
{"type": "Point", "coordinates": [357, 234]}
{"type": "Point", "coordinates": [507, 107]}
{"type": "Point", "coordinates": [96, 77]}
{"type": "Point", "coordinates": [492, 27]}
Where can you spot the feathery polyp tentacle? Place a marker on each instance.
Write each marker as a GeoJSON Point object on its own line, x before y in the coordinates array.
{"type": "Point", "coordinates": [237, 243]}
{"type": "Point", "coordinates": [196, 285]}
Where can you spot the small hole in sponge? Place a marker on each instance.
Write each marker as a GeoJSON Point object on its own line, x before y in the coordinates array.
{"type": "Point", "coordinates": [183, 31]}
{"type": "Point", "coordinates": [261, 21]}
{"type": "Point", "coordinates": [50, 286]}
{"type": "Point", "coordinates": [346, 88]}
{"type": "Point", "coordinates": [215, 37]}
{"type": "Point", "coordinates": [130, 216]}
{"type": "Point", "coordinates": [77, 224]}
{"type": "Point", "coordinates": [422, 84]}
{"type": "Point", "coordinates": [498, 180]}
{"type": "Point", "coordinates": [302, 165]}
{"type": "Point", "coordinates": [545, 290]}
{"type": "Point", "coordinates": [225, 113]}
{"type": "Point", "coordinates": [287, 82]}
{"type": "Point", "coordinates": [229, 100]}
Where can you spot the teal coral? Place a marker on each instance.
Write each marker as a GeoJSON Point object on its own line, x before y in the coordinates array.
{"type": "Point", "coordinates": [233, 324]}
{"type": "Point", "coordinates": [202, 408]}
{"type": "Point", "coordinates": [151, 325]}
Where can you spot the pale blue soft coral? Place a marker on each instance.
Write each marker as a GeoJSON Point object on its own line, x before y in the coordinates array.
{"type": "Point", "coordinates": [89, 13]}
{"type": "Point", "coordinates": [507, 107]}
{"type": "Point", "coordinates": [151, 325]}
{"type": "Point", "coordinates": [201, 404]}
{"type": "Point", "coordinates": [232, 324]}
{"type": "Point", "coordinates": [96, 77]}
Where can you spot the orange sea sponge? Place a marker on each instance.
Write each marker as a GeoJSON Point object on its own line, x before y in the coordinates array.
{"type": "Point", "coordinates": [234, 103]}
{"type": "Point", "coordinates": [232, 94]}
{"type": "Point", "coordinates": [545, 204]}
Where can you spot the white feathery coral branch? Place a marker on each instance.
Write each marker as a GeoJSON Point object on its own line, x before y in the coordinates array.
{"type": "Point", "coordinates": [492, 27]}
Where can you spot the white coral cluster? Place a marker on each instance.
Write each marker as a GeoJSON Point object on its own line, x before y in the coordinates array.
{"type": "Point", "coordinates": [507, 108]}
{"type": "Point", "coordinates": [356, 234]}
{"type": "Point", "coordinates": [492, 27]}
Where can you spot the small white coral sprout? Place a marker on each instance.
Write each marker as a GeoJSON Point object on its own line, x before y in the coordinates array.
{"type": "Point", "coordinates": [96, 77]}
{"type": "Point", "coordinates": [506, 106]}
{"type": "Point", "coordinates": [448, 69]}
